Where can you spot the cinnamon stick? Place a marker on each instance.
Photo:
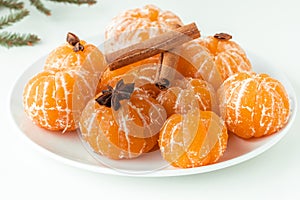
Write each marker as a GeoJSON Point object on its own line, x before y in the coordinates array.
{"type": "Point", "coordinates": [166, 70]}
{"type": "Point", "coordinates": [152, 46]}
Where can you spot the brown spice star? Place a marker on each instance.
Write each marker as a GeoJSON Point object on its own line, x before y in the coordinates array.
{"type": "Point", "coordinates": [112, 97]}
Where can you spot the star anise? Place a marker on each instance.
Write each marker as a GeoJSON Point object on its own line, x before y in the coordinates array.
{"type": "Point", "coordinates": [112, 97]}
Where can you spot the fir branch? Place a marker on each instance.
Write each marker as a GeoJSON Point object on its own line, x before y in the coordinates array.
{"type": "Point", "coordinates": [12, 18]}
{"type": "Point", "coordinates": [79, 2]}
{"type": "Point", "coordinates": [40, 6]}
{"type": "Point", "coordinates": [9, 39]}
{"type": "Point", "coordinates": [12, 4]}
{"type": "Point", "coordinates": [15, 39]}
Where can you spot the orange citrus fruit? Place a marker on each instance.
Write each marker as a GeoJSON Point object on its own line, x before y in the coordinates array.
{"type": "Point", "coordinates": [194, 139]}
{"type": "Point", "coordinates": [48, 97]}
{"type": "Point", "coordinates": [228, 56]}
{"type": "Point", "coordinates": [144, 77]}
{"type": "Point", "coordinates": [139, 24]}
{"type": "Point", "coordinates": [195, 93]}
{"type": "Point", "coordinates": [253, 105]}
{"type": "Point", "coordinates": [195, 61]}
{"type": "Point", "coordinates": [128, 132]}
{"type": "Point", "coordinates": [131, 27]}
{"type": "Point", "coordinates": [112, 77]}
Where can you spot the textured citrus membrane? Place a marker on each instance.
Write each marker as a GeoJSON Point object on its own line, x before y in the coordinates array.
{"type": "Point", "coordinates": [129, 131]}
{"type": "Point", "coordinates": [136, 25]}
{"type": "Point", "coordinates": [112, 77]}
{"type": "Point", "coordinates": [68, 79]}
{"type": "Point", "coordinates": [196, 62]}
{"type": "Point", "coordinates": [193, 139]}
{"type": "Point", "coordinates": [132, 27]}
{"type": "Point", "coordinates": [114, 133]}
{"type": "Point", "coordinates": [189, 93]}
{"type": "Point", "coordinates": [229, 58]}
{"type": "Point", "coordinates": [253, 105]}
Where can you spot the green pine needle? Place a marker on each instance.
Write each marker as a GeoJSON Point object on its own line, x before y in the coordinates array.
{"type": "Point", "coordinates": [40, 6]}
{"type": "Point", "coordinates": [16, 39]}
{"type": "Point", "coordinates": [12, 18]}
{"type": "Point", "coordinates": [12, 4]}
{"type": "Point", "coordinates": [79, 2]}
{"type": "Point", "coordinates": [9, 39]}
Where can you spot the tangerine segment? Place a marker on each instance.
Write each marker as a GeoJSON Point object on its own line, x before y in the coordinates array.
{"type": "Point", "coordinates": [125, 133]}
{"type": "Point", "coordinates": [196, 93]}
{"type": "Point", "coordinates": [253, 105]}
{"type": "Point", "coordinates": [192, 140]}
{"type": "Point", "coordinates": [228, 56]}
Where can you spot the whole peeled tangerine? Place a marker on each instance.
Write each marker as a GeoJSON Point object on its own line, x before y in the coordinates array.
{"type": "Point", "coordinates": [194, 139]}
{"type": "Point", "coordinates": [136, 25]}
{"type": "Point", "coordinates": [253, 105]}
{"type": "Point", "coordinates": [52, 97]}
{"type": "Point", "coordinates": [196, 94]}
{"type": "Point", "coordinates": [228, 56]}
{"type": "Point", "coordinates": [131, 27]}
{"type": "Point", "coordinates": [121, 126]}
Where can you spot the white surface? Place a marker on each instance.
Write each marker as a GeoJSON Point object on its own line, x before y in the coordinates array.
{"type": "Point", "coordinates": [69, 148]}
{"type": "Point", "coordinates": [267, 28]}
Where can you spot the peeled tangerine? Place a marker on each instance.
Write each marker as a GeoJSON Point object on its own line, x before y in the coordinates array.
{"type": "Point", "coordinates": [253, 105]}
{"type": "Point", "coordinates": [181, 99]}
{"type": "Point", "coordinates": [112, 77]}
{"type": "Point", "coordinates": [54, 96]}
{"type": "Point", "coordinates": [196, 62]}
{"type": "Point", "coordinates": [126, 131]}
{"type": "Point", "coordinates": [193, 139]}
{"type": "Point", "coordinates": [229, 58]}
{"type": "Point", "coordinates": [131, 27]}
{"type": "Point", "coordinates": [140, 24]}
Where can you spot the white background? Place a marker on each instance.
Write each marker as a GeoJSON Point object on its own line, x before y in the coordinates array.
{"type": "Point", "coordinates": [270, 29]}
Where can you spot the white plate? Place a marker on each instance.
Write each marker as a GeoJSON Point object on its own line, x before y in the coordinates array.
{"type": "Point", "coordinates": [69, 149]}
